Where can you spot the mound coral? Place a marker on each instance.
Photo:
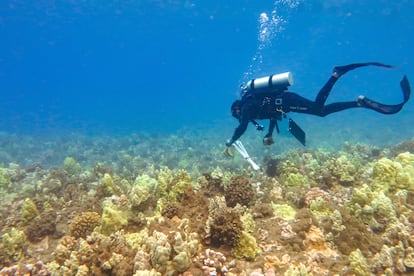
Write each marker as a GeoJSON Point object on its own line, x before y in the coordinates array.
{"type": "Point", "coordinates": [390, 175]}
{"type": "Point", "coordinates": [225, 228]}
{"type": "Point", "coordinates": [342, 169]}
{"type": "Point", "coordinates": [84, 224]}
{"type": "Point", "coordinates": [373, 207]}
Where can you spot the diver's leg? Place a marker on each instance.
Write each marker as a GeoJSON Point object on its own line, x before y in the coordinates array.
{"type": "Point", "coordinates": [339, 71]}
{"type": "Point", "coordinates": [325, 90]}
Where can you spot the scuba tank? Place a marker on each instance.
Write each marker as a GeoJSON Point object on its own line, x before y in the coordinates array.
{"type": "Point", "coordinates": [278, 82]}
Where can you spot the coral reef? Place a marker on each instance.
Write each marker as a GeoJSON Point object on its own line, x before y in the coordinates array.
{"type": "Point", "coordinates": [128, 206]}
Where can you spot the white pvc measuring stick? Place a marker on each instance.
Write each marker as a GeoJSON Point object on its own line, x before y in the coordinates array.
{"type": "Point", "coordinates": [243, 152]}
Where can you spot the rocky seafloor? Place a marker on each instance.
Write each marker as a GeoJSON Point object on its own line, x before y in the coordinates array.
{"type": "Point", "coordinates": [132, 207]}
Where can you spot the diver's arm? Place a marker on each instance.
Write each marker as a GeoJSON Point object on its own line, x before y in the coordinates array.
{"type": "Point", "coordinates": [239, 131]}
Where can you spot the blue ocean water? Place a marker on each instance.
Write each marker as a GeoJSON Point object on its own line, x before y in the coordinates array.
{"type": "Point", "coordinates": [163, 65]}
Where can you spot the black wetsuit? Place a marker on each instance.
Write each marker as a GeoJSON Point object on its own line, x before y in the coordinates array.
{"type": "Point", "coordinates": [273, 105]}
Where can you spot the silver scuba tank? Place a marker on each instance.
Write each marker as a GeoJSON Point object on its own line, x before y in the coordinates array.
{"type": "Point", "coordinates": [270, 83]}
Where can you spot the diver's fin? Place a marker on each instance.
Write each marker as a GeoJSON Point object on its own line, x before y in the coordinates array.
{"type": "Point", "coordinates": [405, 87]}
{"type": "Point", "coordinates": [385, 108]}
{"type": "Point", "coordinates": [341, 70]}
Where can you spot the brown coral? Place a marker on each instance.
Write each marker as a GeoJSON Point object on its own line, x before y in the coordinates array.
{"type": "Point", "coordinates": [170, 210]}
{"type": "Point", "coordinates": [225, 228]}
{"type": "Point", "coordinates": [239, 190]}
{"type": "Point", "coordinates": [41, 226]}
{"type": "Point", "coordinates": [83, 225]}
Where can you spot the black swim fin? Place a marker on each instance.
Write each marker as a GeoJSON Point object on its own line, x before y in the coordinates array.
{"type": "Point", "coordinates": [406, 88]}
{"type": "Point", "coordinates": [384, 108]}
{"type": "Point", "coordinates": [341, 70]}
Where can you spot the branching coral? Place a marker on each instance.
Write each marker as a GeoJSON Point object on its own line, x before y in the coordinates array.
{"type": "Point", "coordinates": [71, 167]}
{"type": "Point", "coordinates": [12, 244]}
{"type": "Point", "coordinates": [29, 211]}
{"type": "Point", "coordinates": [358, 263]}
{"type": "Point", "coordinates": [112, 218]}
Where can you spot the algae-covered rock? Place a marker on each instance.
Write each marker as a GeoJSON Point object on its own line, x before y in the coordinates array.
{"type": "Point", "coordinates": [143, 188]}
{"type": "Point", "coordinates": [284, 211]}
{"type": "Point", "coordinates": [246, 246]}
{"type": "Point", "coordinates": [358, 263]}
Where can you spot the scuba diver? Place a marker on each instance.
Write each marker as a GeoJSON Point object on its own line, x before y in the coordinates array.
{"type": "Point", "coordinates": [268, 98]}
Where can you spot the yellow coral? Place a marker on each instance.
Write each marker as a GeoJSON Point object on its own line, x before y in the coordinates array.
{"type": "Point", "coordinates": [13, 243]}
{"type": "Point", "coordinates": [391, 175]}
{"type": "Point", "coordinates": [72, 167]}
{"type": "Point", "coordinates": [112, 219]}
{"type": "Point", "coordinates": [358, 263]}
{"type": "Point", "coordinates": [29, 211]}
{"type": "Point", "coordinates": [109, 185]}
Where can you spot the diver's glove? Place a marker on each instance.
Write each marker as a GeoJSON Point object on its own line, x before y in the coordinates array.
{"type": "Point", "coordinates": [229, 142]}
{"type": "Point", "coordinates": [268, 140]}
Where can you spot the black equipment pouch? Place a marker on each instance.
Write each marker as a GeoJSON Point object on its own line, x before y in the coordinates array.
{"type": "Point", "coordinates": [297, 132]}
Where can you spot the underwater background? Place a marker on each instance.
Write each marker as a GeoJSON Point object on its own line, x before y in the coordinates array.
{"type": "Point", "coordinates": [113, 122]}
